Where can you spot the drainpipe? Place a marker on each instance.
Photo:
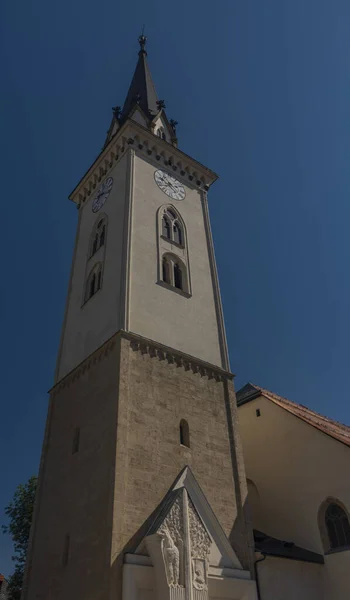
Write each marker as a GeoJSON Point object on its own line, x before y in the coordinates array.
{"type": "Point", "coordinates": [256, 574]}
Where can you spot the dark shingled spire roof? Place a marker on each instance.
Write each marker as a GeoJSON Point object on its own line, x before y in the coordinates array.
{"type": "Point", "coordinates": [141, 90]}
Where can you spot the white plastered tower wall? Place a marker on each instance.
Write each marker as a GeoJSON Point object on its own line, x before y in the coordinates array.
{"type": "Point", "coordinates": [87, 325]}
{"type": "Point", "coordinates": [189, 323]}
{"type": "Point", "coordinates": [131, 297]}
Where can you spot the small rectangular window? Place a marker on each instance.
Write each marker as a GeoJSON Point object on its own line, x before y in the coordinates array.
{"type": "Point", "coordinates": [76, 440]}
{"type": "Point", "coordinates": [65, 555]}
{"type": "Point", "coordinates": [257, 412]}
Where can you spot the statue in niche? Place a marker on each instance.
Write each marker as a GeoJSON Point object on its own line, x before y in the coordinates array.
{"type": "Point", "coordinates": [199, 574]}
{"type": "Point", "coordinates": [171, 558]}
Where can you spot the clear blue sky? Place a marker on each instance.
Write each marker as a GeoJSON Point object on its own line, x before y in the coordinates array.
{"type": "Point", "coordinates": [261, 91]}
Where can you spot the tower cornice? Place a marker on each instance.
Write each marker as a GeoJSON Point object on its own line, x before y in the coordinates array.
{"type": "Point", "coordinates": [152, 348]}
{"type": "Point", "coordinates": [134, 135]}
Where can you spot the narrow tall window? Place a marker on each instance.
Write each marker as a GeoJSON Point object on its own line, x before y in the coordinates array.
{"type": "Point", "coordinates": [98, 235]}
{"type": "Point", "coordinates": [93, 282]}
{"type": "Point", "coordinates": [177, 276]}
{"type": "Point", "coordinates": [92, 285]}
{"type": "Point", "coordinates": [338, 527]}
{"type": "Point", "coordinates": [65, 554]}
{"type": "Point", "coordinates": [94, 245]}
{"type": "Point", "coordinates": [166, 270]}
{"type": "Point", "coordinates": [102, 236]}
{"type": "Point", "coordinates": [172, 227]}
{"type": "Point", "coordinates": [166, 227]}
{"type": "Point", "coordinates": [184, 433]}
{"type": "Point", "coordinates": [177, 233]}
{"type": "Point", "coordinates": [173, 266]}
{"type": "Point", "coordinates": [76, 440]}
{"type": "Point", "coordinates": [99, 279]}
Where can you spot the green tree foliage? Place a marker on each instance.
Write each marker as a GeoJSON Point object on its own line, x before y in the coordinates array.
{"type": "Point", "coordinates": [20, 512]}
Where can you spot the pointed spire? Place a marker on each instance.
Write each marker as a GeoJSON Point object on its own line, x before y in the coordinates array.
{"type": "Point", "coordinates": [142, 90]}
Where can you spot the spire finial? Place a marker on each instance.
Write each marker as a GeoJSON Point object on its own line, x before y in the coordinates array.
{"type": "Point", "coordinates": [142, 41]}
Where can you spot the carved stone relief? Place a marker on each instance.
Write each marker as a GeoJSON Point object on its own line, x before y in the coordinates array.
{"type": "Point", "coordinates": [199, 573]}
{"type": "Point", "coordinates": [171, 532]}
{"type": "Point", "coordinates": [200, 539]}
{"type": "Point", "coordinates": [175, 549]}
{"type": "Point", "coordinates": [171, 558]}
{"type": "Point", "coordinates": [200, 549]}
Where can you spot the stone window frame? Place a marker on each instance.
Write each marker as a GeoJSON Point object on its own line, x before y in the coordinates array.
{"type": "Point", "coordinates": [174, 220]}
{"type": "Point", "coordinates": [173, 263]}
{"type": "Point", "coordinates": [321, 517]}
{"type": "Point", "coordinates": [97, 233]}
{"type": "Point", "coordinates": [97, 272]}
{"type": "Point", "coordinates": [175, 253]}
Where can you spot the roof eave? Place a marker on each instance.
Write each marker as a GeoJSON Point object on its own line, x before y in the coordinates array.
{"type": "Point", "coordinates": [162, 143]}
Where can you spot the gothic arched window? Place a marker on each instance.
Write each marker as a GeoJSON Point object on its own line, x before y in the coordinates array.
{"type": "Point", "coordinates": [94, 245]}
{"type": "Point", "coordinates": [334, 525]}
{"type": "Point", "coordinates": [92, 285]}
{"type": "Point", "coordinates": [184, 433]}
{"type": "Point", "coordinates": [173, 261]}
{"type": "Point", "coordinates": [98, 236]}
{"type": "Point", "coordinates": [102, 235]}
{"type": "Point", "coordinates": [166, 227]}
{"type": "Point", "coordinates": [172, 228]}
{"type": "Point", "coordinates": [177, 276]}
{"type": "Point", "coordinates": [177, 233]}
{"type": "Point", "coordinates": [94, 282]}
{"type": "Point", "coordinates": [174, 272]}
{"type": "Point", "coordinates": [338, 527]}
{"type": "Point", "coordinates": [166, 270]}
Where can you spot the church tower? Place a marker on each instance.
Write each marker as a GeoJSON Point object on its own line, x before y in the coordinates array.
{"type": "Point", "coordinates": [142, 489]}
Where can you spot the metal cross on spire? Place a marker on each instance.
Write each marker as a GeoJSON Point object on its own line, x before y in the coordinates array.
{"type": "Point", "coordinates": [142, 41]}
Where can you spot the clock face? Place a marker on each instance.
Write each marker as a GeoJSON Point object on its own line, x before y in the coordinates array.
{"type": "Point", "coordinates": [169, 185]}
{"type": "Point", "coordinates": [102, 194]}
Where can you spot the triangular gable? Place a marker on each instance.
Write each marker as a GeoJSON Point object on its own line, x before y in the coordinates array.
{"type": "Point", "coordinates": [161, 120]}
{"type": "Point", "coordinates": [112, 130]}
{"type": "Point", "coordinates": [207, 535]}
{"type": "Point", "coordinates": [336, 430]}
{"type": "Point", "coordinates": [138, 115]}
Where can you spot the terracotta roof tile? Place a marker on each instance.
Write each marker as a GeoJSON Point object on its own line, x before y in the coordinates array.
{"type": "Point", "coordinates": [336, 430]}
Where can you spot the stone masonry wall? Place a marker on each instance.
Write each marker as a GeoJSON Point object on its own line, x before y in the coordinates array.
{"type": "Point", "coordinates": [128, 405]}
{"type": "Point", "coordinates": [155, 395]}
{"type": "Point", "coordinates": [76, 490]}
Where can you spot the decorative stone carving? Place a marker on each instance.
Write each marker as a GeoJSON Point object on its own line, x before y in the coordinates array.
{"type": "Point", "coordinates": [200, 549]}
{"type": "Point", "coordinates": [171, 558]}
{"type": "Point", "coordinates": [171, 531]}
{"type": "Point", "coordinates": [200, 539]}
{"type": "Point", "coordinates": [199, 573]}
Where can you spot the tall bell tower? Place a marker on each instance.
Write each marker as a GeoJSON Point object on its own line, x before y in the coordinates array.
{"type": "Point", "coordinates": [143, 403]}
